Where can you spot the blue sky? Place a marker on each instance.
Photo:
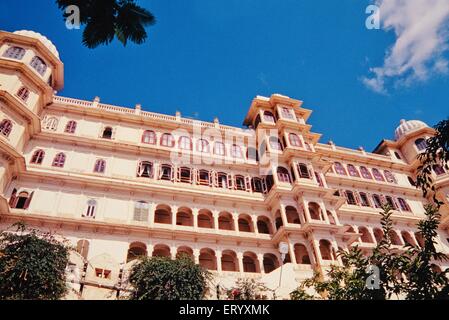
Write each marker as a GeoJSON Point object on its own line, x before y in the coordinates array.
{"type": "Point", "coordinates": [210, 58]}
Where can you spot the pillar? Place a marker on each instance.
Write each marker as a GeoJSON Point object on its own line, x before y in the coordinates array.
{"type": "Point", "coordinates": [260, 259]}
{"type": "Point", "coordinates": [235, 218]}
{"type": "Point", "coordinates": [195, 218]}
{"type": "Point", "coordinates": [196, 255]}
{"type": "Point", "coordinates": [174, 211]}
{"type": "Point", "coordinates": [218, 257]}
{"type": "Point", "coordinates": [294, 166]}
{"type": "Point", "coordinates": [215, 214]}
{"type": "Point", "coordinates": [283, 215]}
{"type": "Point", "coordinates": [240, 260]}
{"type": "Point", "coordinates": [291, 251]}
{"type": "Point", "coordinates": [254, 221]}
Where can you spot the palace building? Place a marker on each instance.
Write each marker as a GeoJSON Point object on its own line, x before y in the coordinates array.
{"type": "Point", "coordinates": [120, 183]}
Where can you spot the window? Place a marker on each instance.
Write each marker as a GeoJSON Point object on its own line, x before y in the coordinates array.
{"type": "Point", "coordinates": [377, 175]}
{"type": "Point", "coordinates": [59, 160]}
{"type": "Point", "coordinates": [257, 185]}
{"type": "Point", "coordinates": [421, 144]}
{"type": "Point", "coordinates": [203, 146]}
{"type": "Point", "coordinates": [51, 123]}
{"type": "Point", "coordinates": [185, 143]}
{"type": "Point", "coordinates": [390, 177]}
{"type": "Point", "coordinates": [283, 175]}
{"type": "Point", "coordinates": [145, 169]}
{"type": "Point", "coordinates": [308, 146]}
{"type": "Point", "coordinates": [340, 169]}
{"type": "Point", "coordinates": [23, 94]}
{"type": "Point", "coordinates": [236, 151]}
{"type": "Point", "coordinates": [100, 166]}
{"type": "Point", "coordinates": [38, 157]}
{"type": "Point", "coordinates": [166, 172]}
{"type": "Point", "coordinates": [398, 156]}
{"type": "Point", "coordinates": [91, 208]}
{"type": "Point", "coordinates": [240, 183]}
{"type": "Point", "coordinates": [319, 180]}
{"type": "Point", "coordinates": [167, 140]}
{"type": "Point", "coordinates": [21, 200]}
{"type": "Point", "coordinates": [365, 173]}
{"type": "Point", "coordinates": [286, 113]}
{"type": "Point", "coordinates": [439, 170]}
{"type": "Point", "coordinates": [107, 133]}
{"type": "Point", "coordinates": [219, 149]}
{"type": "Point", "coordinates": [294, 140]}
{"type": "Point", "coordinates": [185, 175]}
{"type": "Point", "coordinates": [391, 202]}
{"type": "Point", "coordinates": [275, 143]}
{"type": "Point", "coordinates": [14, 53]}
{"type": "Point", "coordinates": [149, 137]}
{"type": "Point", "coordinates": [364, 199]}
{"type": "Point", "coordinates": [222, 180]}
{"type": "Point", "coordinates": [39, 65]}
{"type": "Point", "coordinates": [268, 117]}
{"type": "Point", "coordinates": [141, 210]}
{"type": "Point", "coordinates": [102, 273]}
{"type": "Point", "coordinates": [353, 171]}
{"type": "Point", "coordinates": [303, 171]}
{"type": "Point", "coordinates": [5, 127]}
{"type": "Point", "coordinates": [70, 127]}
{"type": "Point", "coordinates": [251, 154]}
{"type": "Point", "coordinates": [204, 177]}
{"type": "Point", "coordinates": [350, 197]}
{"type": "Point", "coordinates": [403, 205]}
{"type": "Point", "coordinates": [377, 201]}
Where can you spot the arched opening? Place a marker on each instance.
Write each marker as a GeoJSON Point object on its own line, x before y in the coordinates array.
{"type": "Point", "coordinates": [135, 251]}
{"type": "Point", "coordinates": [378, 234]}
{"type": "Point", "coordinates": [22, 201]}
{"type": "Point", "coordinates": [292, 215]}
{"type": "Point", "coordinates": [315, 211]}
{"type": "Point", "coordinates": [245, 223]}
{"type": "Point", "coordinates": [366, 236]}
{"type": "Point", "coordinates": [161, 250]}
{"type": "Point", "coordinates": [278, 220]}
{"type": "Point", "coordinates": [149, 137]}
{"type": "Point", "coordinates": [331, 218]}
{"type": "Point", "coordinates": [166, 172]}
{"type": "Point", "coordinates": [184, 251]}
{"type": "Point", "coordinates": [205, 219]}
{"type": "Point", "coordinates": [270, 262]}
{"type": "Point", "coordinates": [163, 214]}
{"type": "Point", "coordinates": [229, 261]}
{"type": "Point", "coordinates": [207, 259]}
{"type": "Point", "coordinates": [225, 221]}
{"type": "Point", "coordinates": [420, 239]}
{"type": "Point", "coordinates": [301, 254]}
{"type": "Point", "coordinates": [326, 250]}
{"type": "Point", "coordinates": [408, 240]}
{"type": "Point", "coordinates": [263, 225]}
{"type": "Point", "coordinates": [394, 237]}
{"type": "Point", "coordinates": [421, 144]}
{"type": "Point", "coordinates": [250, 263]}
{"type": "Point", "coordinates": [283, 175]}
{"type": "Point", "coordinates": [107, 133]}
{"type": "Point", "coordinates": [184, 217]}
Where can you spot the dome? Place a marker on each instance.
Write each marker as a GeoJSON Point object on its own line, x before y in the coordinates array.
{"type": "Point", "coordinates": [50, 46]}
{"type": "Point", "coordinates": [408, 126]}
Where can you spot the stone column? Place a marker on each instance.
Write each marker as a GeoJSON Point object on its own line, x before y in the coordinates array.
{"type": "Point", "coordinates": [306, 211]}
{"type": "Point", "coordinates": [324, 213]}
{"type": "Point", "coordinates": [152, 209]}
{"type": "Point", "coordinates": [215, 214]}
{"type": "Point", "coordinates": [294, 166]}
{"type": "Point", "coordinates": [291, 251]}
{"type": "Point", "coordinates": [173, 252]}
{"type": "Point", "coordinates": [260, 259]}
{"type": "Point", "coordinates": [240, 260]}
{"type": "Point", "coordinates": [195, 218]}
{"type": "Point", "coordinates": [254, 221]}
{"type": "Point", "coordinates": [174, 211]}
{"type": "Point", "coordinates": [316, 249]}
{"type": "Point", "coordinates": [196, 255]}
{"type": "Point", "coordinates": [218, 257]}
{"type": "Point", "coordinates": [235, 219]}
{"type": "Point", "coordinates": [283, 214]}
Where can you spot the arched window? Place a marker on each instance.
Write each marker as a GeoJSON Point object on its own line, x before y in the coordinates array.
{"type": "Point", "coordinates": [283, 175]}
{"type": "Point", "coordinates": [268, 117]}
{"type": "Point", "coordinates": [14, 53]}
{"type": "Point", "coordinates": [270, 262]}
{"type": "Point", "coordinates": [205, 219]}
{"type": "Point", "coordinates": [236, 151]}
{"type": "Point", "coordinates": [377, 175]}
{"type": "Point", "coordinates": [403, 205]}
{"type": "Point", "coordinates": [184, 217]}
{"type": "Point", "coordinates": [90, 209]}
{"type": "Point", "coordinates": [204, 178]}
{"type": "Point", "coordinates": [421, 144]}
{"type": "Point", "coordinates": [229, 261]}
{"type": "Point", "coordinates": [166, 172]}
{"type": "Point", "coordinates": [21, 200]}
{"type": "Point", "coordinates": [350, 197]}
{"type": "Point", "coordinates": [38, 156]}
{"type": "Point", "coordinates": [39, 65]}
{"type": "Point", "coordinates": [353, 171]}
{"type": "Point", "coordinates": [378, 234]}
{"type": "Point", "coordinates": [163, 214]}
{"type": "Point", "coordinates": [364, 199]}
{"type": "Point", "coordinates": [340, 169]}
{"type": "Point", "coordinates": [100, 166]}
{"type": "Point", "coordinates": [366, 236]}
{"type": "Point", "coordinates": [141, 211]}
{"type": "Point", "coordinates": [202, 145]}
{"type": "Point", "coordinates": [303, 171]}
{"type": "Point", "coordinates": [286, 113]}
{"type": "Point", "coordinates": [249, 263]}
{"type": "Point", "coordinates": [185, 143]}
{"type": "Point", "coordinates": [135, 251]}
{"type": "Point", "coordinates": [145, 169]}
{"type": "Point", "coordinates": [439, 170]}
{"type": "Point", "coordinates": [82, 247]}
{"type": "Point", "coordinates": [275, 143]}
{"type": "Point", "coordinates": [149, 137]}
{"type": "Point", "coordinates": [59, 160]}
{"type": "Point", "coordinates": [390, 177]}
{"type": "Point", "coordinates": [244, 223]}
{"type": "Point", "coordinates": [225, 221]}
{"type": "Point", "coordinates": [263, 225]}
{"type": "Point", "coordinates": [219, 149]}
{"type": "Point", "coordinates": [257, 185]}
{"type": "Point", "coordinates": [391, 202]}
{"type": "Point", "coordinates": [394, 237]}
{"type": "Point", "coordinates": [365, 173]}
{"type": "Point", "coordinates": [315, 211]}
{"type": "Point", "coordinates": [107, 133]}
{"type": "Point", "coordinates": [51, 123]}
{"type": "Point", "coordinates": [5, 127]}
{"type": "Point", "coordinates": [377, 201]}
{"type": "Point", "coordinates": [222, 180]}
{"type": "Point", "coordinates": [240, 183]}
{"type": "Point", "coordinates": [294, 140]}
{"type": "Point", "coordinates": [325, 250]}
{"type": "Point", "coordinates": [185, 174]}
{"type": "Point", "coordinates": [301, 254]}
{"type": "Point", "coordinates": [70, 127]}
{"type": "Point", "coordinates": [23, 94]}
{"type": "Point", "coordinates": [167, 140]}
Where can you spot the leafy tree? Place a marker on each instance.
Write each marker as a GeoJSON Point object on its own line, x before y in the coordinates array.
{"type": "Point", "coordinates": [161, 278]}
{"type": "Point", "coordinates": [247, 289]}
{"type": "Point", "coordinates": [106, 19]}
{"type": "Point", "coordinates": [32, 265]}
{"type": "Point", "coordinates": [436, 153]}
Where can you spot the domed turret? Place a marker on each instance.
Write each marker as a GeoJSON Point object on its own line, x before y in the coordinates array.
{"type": "Point", "coordinates": [50, 46]}
{"type": "Point", "coordinates": [408, 126]}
